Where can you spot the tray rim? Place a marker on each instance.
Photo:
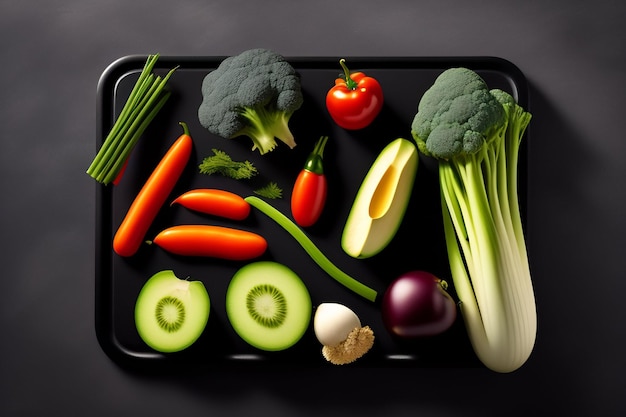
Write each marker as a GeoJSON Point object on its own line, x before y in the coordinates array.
{"type": "Point", "coordinates": [123, 65]}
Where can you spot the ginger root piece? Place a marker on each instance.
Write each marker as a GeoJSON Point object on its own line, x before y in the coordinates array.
{"type": "Point", "coordinates": [358, 343]}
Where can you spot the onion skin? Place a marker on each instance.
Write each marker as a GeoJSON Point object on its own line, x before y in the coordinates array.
{"type": "Point", "coordinates": [416, 305]}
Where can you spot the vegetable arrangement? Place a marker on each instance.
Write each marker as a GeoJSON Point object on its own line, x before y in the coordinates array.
{"type": "Point", "coordinates": [472, 131]}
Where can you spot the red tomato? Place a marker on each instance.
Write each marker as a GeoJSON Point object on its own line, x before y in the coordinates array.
{"type": "Point", "coordinates": [354, 102]}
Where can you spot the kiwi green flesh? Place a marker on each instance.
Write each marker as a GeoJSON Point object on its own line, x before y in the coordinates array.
{"type": "Point", "coordinates": [268, 305]}
{"type": "Point", "coordinates": [171, 313]}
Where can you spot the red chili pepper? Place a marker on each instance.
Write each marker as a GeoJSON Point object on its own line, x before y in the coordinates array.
{"type": "Point", "coordinates": [211, 241]}
{"type": "Point", "coordinates": [152, 196]}
{"type": "Point", "coordinates": [354, 102]}
{"type": "Point", "coordinates": [309, 191]}
{"type": "Point", "coordinates": [216, 202]}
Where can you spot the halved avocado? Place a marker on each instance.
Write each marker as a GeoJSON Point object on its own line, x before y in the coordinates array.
{"type": "Point", "coordinates": [268, 305]}
{"type": "Point", "coordinates": [171, 313]}
{"type": "Point", "coordinates": [382, 199]}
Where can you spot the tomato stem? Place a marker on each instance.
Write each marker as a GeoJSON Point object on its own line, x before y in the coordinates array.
{"type": "Point", "coordinates": [350, 83]}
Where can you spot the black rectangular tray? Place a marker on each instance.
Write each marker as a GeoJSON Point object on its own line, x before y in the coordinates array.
{"type": "Point", "coordinates": [419, 244]}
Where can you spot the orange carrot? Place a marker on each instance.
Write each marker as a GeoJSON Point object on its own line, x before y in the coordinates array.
{"type": "Point", "coordinates": [152, 196]}
{"type": "Point", "coordinates": [211, 241]}
{"type": "Point", "coordinates": [216, 202]}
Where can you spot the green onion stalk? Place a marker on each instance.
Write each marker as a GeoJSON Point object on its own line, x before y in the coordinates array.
{"type": "Point", "coordinates": [146, 99]}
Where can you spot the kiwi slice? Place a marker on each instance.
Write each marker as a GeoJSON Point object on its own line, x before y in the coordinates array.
{"type": "Point", "coordinates": [171, 313]}
{"type": "Point", "coordinates": [268, 305]}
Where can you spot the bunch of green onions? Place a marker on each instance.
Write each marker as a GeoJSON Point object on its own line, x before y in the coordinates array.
{"type": "Point", "coordinates": [146, 99]}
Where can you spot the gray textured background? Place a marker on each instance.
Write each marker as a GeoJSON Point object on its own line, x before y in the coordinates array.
{"type": "Point", "coordinates": [52, 54]}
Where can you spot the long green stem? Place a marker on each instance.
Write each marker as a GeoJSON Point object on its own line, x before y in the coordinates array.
{"type": "Point", "coordinates": [314, 252]}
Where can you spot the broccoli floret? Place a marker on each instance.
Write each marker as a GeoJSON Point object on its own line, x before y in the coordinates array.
{"type": "Point", "coordinates": [255, 94]}
{"type": "Point", "coordinates": [475, 134]}
{"type": "Point", "coordinates": [457, 115]}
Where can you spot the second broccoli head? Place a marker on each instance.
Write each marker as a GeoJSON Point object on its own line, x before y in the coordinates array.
{"type": "Point", "coordinates": [458, 115]}
{"type": "Point", "coordinates": [254, 94]}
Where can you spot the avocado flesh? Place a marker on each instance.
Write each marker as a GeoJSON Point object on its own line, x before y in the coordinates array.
{"type": "Point", "coordinates": [295, 296]}
{"type": "Point", "coordinates": [382, 199]}
{"type": "Point", "coordinates": [170, 295]}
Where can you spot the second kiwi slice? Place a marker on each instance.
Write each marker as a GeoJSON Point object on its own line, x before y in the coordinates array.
{"type": "Point", "coordinates": [171, 313]}
{"type": "Point", "coordinates": [268, 305]}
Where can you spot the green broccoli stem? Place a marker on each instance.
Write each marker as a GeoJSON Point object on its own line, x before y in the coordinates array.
{"type": "Point", "coordinates": [312, 250]}
{"type": "Point", "coordinates": [265, 124]}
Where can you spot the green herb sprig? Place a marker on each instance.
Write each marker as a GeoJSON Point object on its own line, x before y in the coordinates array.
{"type": "Point", "coordinates": [271, 191]}
{"type": "Point", "coordinates": [222, 164]}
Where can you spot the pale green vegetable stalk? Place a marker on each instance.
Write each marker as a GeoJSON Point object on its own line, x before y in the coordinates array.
{"type": "Point", "coordinates": [487, 250]}
{"type": "Point", "coordinates": [475, 134]}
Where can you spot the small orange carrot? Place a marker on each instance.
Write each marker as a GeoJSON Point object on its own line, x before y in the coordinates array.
{"type": "Point", "coordinates": [215, 202]}
{"type": "Point", "coordinates": [211, 241]}
{"type": "Point", "coordinates": [152, 196]}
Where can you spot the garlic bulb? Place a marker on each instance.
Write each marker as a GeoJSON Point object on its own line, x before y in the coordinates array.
{"type": "Point", "coordinates": [333, 323]}
{"type": "Point", "coordinates": [339, 330]}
